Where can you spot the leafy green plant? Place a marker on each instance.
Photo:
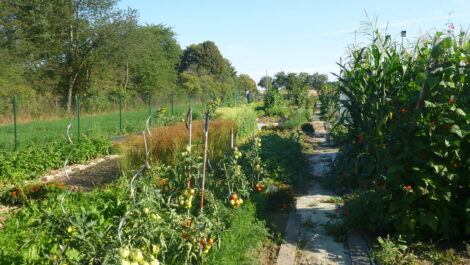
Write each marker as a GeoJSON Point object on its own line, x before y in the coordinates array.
{"type": "Point", "coordinates": [30, 163]}
{"type": "Point", "coordinates": [390, 252]}
{"type": "Point", "coordinates": [31, 192]}
{"type": "Point", "coordinates": [273, 103]}
{"type": "Point", "coordinates": [405, 140]}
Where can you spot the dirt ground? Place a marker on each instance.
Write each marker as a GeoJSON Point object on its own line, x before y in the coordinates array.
{"type": "Point", "coordinates": [85, 180]}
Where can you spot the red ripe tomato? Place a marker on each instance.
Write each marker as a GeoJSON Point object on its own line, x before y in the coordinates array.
{"type": "Point", "coordinates": [234, 196]}
{"type": "Point", "coordinates": [210, 241]}
{"type": "Point", "coordinates": [361, 139]}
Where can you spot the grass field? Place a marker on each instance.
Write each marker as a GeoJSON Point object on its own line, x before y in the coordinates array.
{"type": "Point", "coordinates": [105, 125]}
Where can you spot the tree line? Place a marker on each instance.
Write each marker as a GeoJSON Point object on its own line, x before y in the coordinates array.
{"type": "Point", "coordinates": [296, 85]}
{"type": "Point", "coordinates": [63, 48]}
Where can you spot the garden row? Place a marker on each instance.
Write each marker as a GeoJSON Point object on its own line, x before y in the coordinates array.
{"type": "Point", "coordinates": [42, 151]}
{"type": "Point", "coordinates": [169, 206]}
{"type": "Point", "coordinates": [404, 132]}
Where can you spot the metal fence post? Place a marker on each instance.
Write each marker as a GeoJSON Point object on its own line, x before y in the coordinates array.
{"type": "Point", "coordinates": [14, 123]}
{"type": "Point", "coordinates": [150, 104]}
{"type": "Point", "coordinates": [172, 104]}
{"type": "Point", "coordinates": [120, 114]}
{"type": "Point", "coordinates": [77, 99]}
{"type": "Point", "coordinates": [150, 107]}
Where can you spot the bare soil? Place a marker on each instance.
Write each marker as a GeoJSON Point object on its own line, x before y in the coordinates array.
{"type": "Point", "coordinates": [93, 176]}
{"type": "Point", "coordinates": [267, 119]}
{"type": "Point", "coordinates": [269, 252]}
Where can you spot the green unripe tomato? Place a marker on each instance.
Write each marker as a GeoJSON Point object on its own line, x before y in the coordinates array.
{"type": "Point", "coordinates": [136, 255]}
{"type": "Point", "coordinates": [124, 252]}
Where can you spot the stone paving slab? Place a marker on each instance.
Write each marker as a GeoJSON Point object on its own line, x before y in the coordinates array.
{"type": "Point", "coordinates": [358, 250]}
{"type": "Point", "coordinates": [314, 245]}
{"type": "Point", "coordinates": [287, 251]}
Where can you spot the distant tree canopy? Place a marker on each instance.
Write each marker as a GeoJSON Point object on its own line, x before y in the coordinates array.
{"type": "Point", "coordinates": [246, 83]}
{"type": "Point", "coordinates": [266, 82]}
{"type": "Point", "coordinates": [89, 47]}
{"type": "Point", "coordinates": [203, 57]}
{"type": "Point", "coordinates": [295, 84]}
{"type": "Point", "coordinates": [204, 70]}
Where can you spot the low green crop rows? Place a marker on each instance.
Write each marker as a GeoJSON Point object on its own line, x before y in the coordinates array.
{"type": "Point", "coordinates": [30, 163]}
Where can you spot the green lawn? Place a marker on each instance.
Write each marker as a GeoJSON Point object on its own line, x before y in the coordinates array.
{"type": "Point", "coordinates": [106, 125]}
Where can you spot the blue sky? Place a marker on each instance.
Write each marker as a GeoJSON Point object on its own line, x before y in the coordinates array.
{"type": "Point", "coordinates": [296, 35]}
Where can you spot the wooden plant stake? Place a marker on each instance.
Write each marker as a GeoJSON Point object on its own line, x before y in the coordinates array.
{"type": "Point", "coordinates": [189, 126]}
{"type": "Point", "coordinates": [231, 138]}
{"type": "Point", "coordinates": [206, 136]}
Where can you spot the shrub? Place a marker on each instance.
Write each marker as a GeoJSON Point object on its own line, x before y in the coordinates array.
{"type": "Point", "coordinates": [273, 103]}
{"type": "Point", "coordinates": [307, 127]}
{"type": "Point", "coordinates": [278, 111]}
{"type": "Point", "coordinates": [294, 122]}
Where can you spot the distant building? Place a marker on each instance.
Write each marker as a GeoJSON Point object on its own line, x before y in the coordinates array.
{"type": "Point", "coordinates": [313, 93]}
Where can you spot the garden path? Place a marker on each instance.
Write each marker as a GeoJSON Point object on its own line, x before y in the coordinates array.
{"type": "Point", "coordinates": [307, 241]}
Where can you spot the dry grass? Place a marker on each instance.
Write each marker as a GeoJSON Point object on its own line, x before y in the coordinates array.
{"type": "Point", "coordinates": [169, 141]}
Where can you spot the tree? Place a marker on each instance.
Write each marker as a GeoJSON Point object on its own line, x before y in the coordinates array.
{"type": "Point", "coordinates": [318, 81]}
{"type": "Point", "coordinates": [57, 36]}
{"type": "Point", "coordinates": [246, 83]}
{"type": "Point", "coordinates": [280, 80]}
{"type": "Point", "coordinates": [205, 55]}
{"type": "Point", "coordinates": [154, 60]}
{"type": "Point", "coordinates": [292, 82]}
{"type": "Point", "coordinates": [266, 82]}
{"type": "Point", "coordinates": [203, 63]}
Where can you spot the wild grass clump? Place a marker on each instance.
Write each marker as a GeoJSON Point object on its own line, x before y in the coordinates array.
{"type": "Point", "coordinates": [244, 117]}
{"type": "Point", "coordinates": [169, 141]}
